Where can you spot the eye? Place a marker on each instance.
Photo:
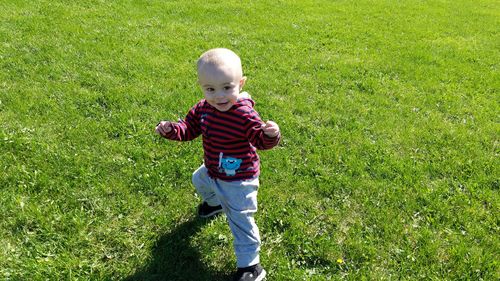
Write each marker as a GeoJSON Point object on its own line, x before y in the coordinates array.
{"type": "Point", "coordinates": [209, 89]}
{"type": "Point", "coordinates": [227, 88]}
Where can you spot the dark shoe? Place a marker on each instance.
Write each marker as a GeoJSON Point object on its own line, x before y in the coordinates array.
{"type": "Point", "coordinates": [251, 273]}
{"type": "Point", "coordinates": [206, 211]}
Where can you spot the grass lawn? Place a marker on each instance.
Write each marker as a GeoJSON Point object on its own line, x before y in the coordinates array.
{"type": "Point", "coordinates": [388, 168]}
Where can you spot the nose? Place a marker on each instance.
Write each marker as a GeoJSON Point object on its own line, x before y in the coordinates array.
{"type": "Point", "coordinates": [219, 94]}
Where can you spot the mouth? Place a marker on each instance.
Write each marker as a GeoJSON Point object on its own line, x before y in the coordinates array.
{"type": "Point", "coordinates": [222, 103]}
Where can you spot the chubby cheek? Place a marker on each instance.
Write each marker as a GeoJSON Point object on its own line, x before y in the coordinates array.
{"type": "Point", "coordinates": [210, 100]}
{"type": "Point", "coordinates": [234, 97]}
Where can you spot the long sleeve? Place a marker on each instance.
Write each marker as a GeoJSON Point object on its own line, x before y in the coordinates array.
{"type": "Point", "coordinates": [255, 134]}
{"type": "Point", "coordinates": [187, 129]}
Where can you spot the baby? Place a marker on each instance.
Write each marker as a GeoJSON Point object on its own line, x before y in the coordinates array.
{"type": "Point", "coordinates": [232, 131]}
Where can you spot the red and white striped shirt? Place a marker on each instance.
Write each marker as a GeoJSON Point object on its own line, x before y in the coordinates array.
{"type": "Point", "coordinates": [230, 138]}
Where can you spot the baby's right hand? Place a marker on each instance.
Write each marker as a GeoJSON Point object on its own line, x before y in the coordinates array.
{"type": "Point", "coordinates": [163, 128]}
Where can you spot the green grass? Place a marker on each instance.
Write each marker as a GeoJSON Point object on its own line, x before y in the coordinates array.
{"type": "Point", "coordinates": [388, 167]}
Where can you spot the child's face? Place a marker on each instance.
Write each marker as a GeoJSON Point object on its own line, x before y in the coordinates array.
{"type": "Point", "coordinates": [221, 85]}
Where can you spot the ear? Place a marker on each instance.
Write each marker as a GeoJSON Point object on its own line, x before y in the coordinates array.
{"type": "Point", "coordinates": [242, 82]}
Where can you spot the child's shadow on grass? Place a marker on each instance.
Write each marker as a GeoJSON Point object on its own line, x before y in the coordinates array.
{"type": "Point", "coordinates": [174, 259]}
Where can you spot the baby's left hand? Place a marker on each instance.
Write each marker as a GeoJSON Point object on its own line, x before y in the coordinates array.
{"type": "Point", "coordinates": [271, 129]}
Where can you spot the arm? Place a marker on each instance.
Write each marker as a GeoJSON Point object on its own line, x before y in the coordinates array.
{"type": "Point", "coordinates": [262, 135]}
{"type": "Point", "coordinates": [184, 130]}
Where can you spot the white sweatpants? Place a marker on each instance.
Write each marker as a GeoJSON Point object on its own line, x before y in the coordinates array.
{"type": "Point", "coordinates": [239, 201]}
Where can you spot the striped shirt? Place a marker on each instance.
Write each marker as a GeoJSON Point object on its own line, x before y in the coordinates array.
{"type": "Point", "coordinates": [230, 138]}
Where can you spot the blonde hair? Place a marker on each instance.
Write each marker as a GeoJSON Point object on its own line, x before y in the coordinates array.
{"type": "Point", "coordinates": [220, 57]}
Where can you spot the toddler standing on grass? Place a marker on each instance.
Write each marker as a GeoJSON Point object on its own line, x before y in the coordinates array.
{"type": "Point", "coordinates": [232, 131]}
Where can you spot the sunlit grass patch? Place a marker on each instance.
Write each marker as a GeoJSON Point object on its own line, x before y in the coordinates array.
{"type": "Point", "coordinates": [388, 168]}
